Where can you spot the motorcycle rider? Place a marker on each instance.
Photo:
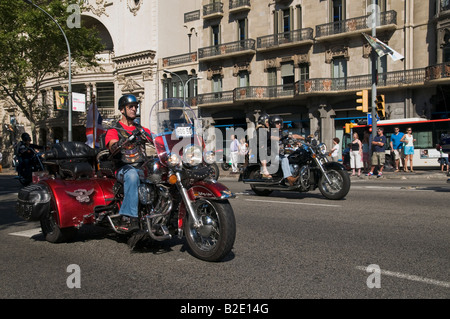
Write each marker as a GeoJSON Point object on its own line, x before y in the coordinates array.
{"type": "Point", "coordinates": [127, 159]}
{"type": "Point", "coordinates": [276, 122]}
{"type": "Point", "coordinates": [24, 151]}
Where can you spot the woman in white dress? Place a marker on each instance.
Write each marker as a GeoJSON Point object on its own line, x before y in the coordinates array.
{"type": "Point", "coordinates": [356, 155]}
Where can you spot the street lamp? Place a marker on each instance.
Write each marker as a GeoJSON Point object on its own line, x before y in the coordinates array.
{"type": "Point", "coordinates": [69, 129]}
{"type": "Point", "coordinates": [183, 83]}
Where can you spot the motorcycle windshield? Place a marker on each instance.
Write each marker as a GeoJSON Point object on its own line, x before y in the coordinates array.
{"type": "Point", "coordinates": [176, 131]}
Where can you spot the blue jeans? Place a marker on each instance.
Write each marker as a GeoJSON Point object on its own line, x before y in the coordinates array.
{"type": "Point", "coordinates": [285, 166]}
{"type": "Point", "coordinates": [129, 176]}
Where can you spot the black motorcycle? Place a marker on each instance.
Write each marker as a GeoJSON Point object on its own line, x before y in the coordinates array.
{"type": "Point", "coordinates": [308, 162]}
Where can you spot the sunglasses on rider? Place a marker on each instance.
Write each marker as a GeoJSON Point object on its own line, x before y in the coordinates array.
{"type": "Point", "coordinates": [131, 106]}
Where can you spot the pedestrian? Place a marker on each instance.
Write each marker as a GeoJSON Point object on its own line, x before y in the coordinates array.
{"type": "Point", "coordinates": [334, 153]}
{"type": "Point", "coordinates": [243, 151]}
{"type": "Point", "coordinates": [356, 155]}
{"type": "Point", "coordinates": [366, 152]}
{"type": "Point", "coordinates": [409, 140]}
{"type": "Point", "coordinates": [397, 153]}
{"type": "Point", "coordinates": [443, 160]}
{"type": "Point", "coordinates": [234, 153]}
{"type": "Point", "coordinates": [378, 156]}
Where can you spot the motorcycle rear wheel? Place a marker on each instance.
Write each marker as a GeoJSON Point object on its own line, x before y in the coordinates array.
{"type": "Point", "coordinates": [52, 232]}
{"type": "Point", "coordinates": [256, 174]}
{"type": "Point", "coordinates": [215, 238]}
{"type": "Point", "coordinates": [340, 184]}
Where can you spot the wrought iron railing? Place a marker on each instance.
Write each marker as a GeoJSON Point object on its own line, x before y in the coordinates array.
{"type": "Point", "coordinates": [215, 97]}
{"type": "Point", "coordinates": [226, 48]}
{"type": "Point", "coordinates": [234, 4]}
{"type": "Point", "coordinates": [263, 92]}
{"type": "Point", "coordinates": [354, 24]}
{"type": "Point", "coordinates": [285, 37]}
{"type": "Point", "coordinates": [324, 85]}
{"type": "Point", "coordinates": [396, 78]}
{"type": "Point", "coordinates": [439, 71]}
{"type": "Point", "coordinates": [216, 7]}
{"type": "Point", "coordinates": [180, 59]}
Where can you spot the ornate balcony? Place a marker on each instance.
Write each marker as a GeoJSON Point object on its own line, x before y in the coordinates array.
{"type": "Point", "coordinates": [227, 50]}
{"type": "Point", "coordinates": [438, 72]}
{"type": "Point", "coordinates": [352, 83]}
{"type": "Point", "coordinates": [179, 59]}
{"type": "Point", "coordinates": [285, 39]}
{"type": "Point", "coordinates": [259, 93]}
{"type": "Point", "coordinates": [352, 26]}
{"type": "Point", "coordinates": [213, 10]}
{"type": "Point", "coordinates": [321, 86]}
{"type": "Point", "coordinates": [215, 98]}
{"type": "Point", "coordinates": [239, 5]}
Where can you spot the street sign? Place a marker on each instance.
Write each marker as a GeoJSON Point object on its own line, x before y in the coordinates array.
{"type": "Point", "coordinates": [369, 118]}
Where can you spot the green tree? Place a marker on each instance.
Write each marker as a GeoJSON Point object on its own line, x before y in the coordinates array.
{"type": "Point", "coordinates": [32, 48]}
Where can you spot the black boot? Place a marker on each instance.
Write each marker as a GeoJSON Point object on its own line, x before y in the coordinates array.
{"type": "Point", "coordinates": [129, 224]}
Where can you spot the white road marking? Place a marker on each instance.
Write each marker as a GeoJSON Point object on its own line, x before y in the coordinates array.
{"type": "Point", "coordinates": [293, 203]}
{"type": "Point", "coordinates": [429, 281]}
{"type": "Point", "coordinates": [28, 233]}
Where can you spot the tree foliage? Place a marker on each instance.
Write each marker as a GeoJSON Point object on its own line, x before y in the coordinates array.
{"type": "Point", "coordinates": [33, 48]}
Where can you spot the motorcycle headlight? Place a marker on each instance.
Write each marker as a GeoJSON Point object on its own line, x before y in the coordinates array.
{"type": "Point", "coordinates": [192, 155]}
{"type": "Point", "coordinates": [210, 157]}
{"type": "Point", "coordinates": [174, 160]}
{"type": "Point", "coordinates": [322, 149]}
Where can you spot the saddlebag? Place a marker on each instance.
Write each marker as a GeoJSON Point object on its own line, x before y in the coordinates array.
{"type": "Point", "coordinates": [33, 201]}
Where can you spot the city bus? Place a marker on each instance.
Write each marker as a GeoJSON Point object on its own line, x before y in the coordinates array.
{"type": "Point", "coordinates": [426, 132]}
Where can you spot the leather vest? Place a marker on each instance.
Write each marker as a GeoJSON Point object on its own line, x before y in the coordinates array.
{"type": "Point", "coordinates": [133, 153]}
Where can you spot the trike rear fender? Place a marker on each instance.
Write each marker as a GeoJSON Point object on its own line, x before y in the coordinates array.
{"type": "Point", "coordinates": [75, 200]}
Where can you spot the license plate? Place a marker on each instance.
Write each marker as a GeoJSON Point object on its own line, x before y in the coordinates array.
{"type": "Point", "coordinates": [183, 131]}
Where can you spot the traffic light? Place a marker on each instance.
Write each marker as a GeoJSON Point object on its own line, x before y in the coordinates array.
{"type": "Point", "coordinates": [363, 102]}
{"type": "Point", "coordinates": [381, 111]}
{"type": "Point", "coordinates": [349, 126]}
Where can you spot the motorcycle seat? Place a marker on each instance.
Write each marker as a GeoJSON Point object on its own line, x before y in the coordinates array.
{"type": "Point", "coordinates": [70, 150]}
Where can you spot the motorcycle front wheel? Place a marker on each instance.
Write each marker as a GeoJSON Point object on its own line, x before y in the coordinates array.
{"type": "Point", "coordinates": [339, 187]}
{"type": "Point", "coordinates": [214, 239]}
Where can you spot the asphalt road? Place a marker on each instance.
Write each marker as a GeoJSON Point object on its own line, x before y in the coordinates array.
{"type": "Point", "coordinates": [288, 246]}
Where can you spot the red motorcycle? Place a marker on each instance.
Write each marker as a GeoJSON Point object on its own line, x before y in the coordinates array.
{"type": "Point", "coordinates": [177, 195]}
